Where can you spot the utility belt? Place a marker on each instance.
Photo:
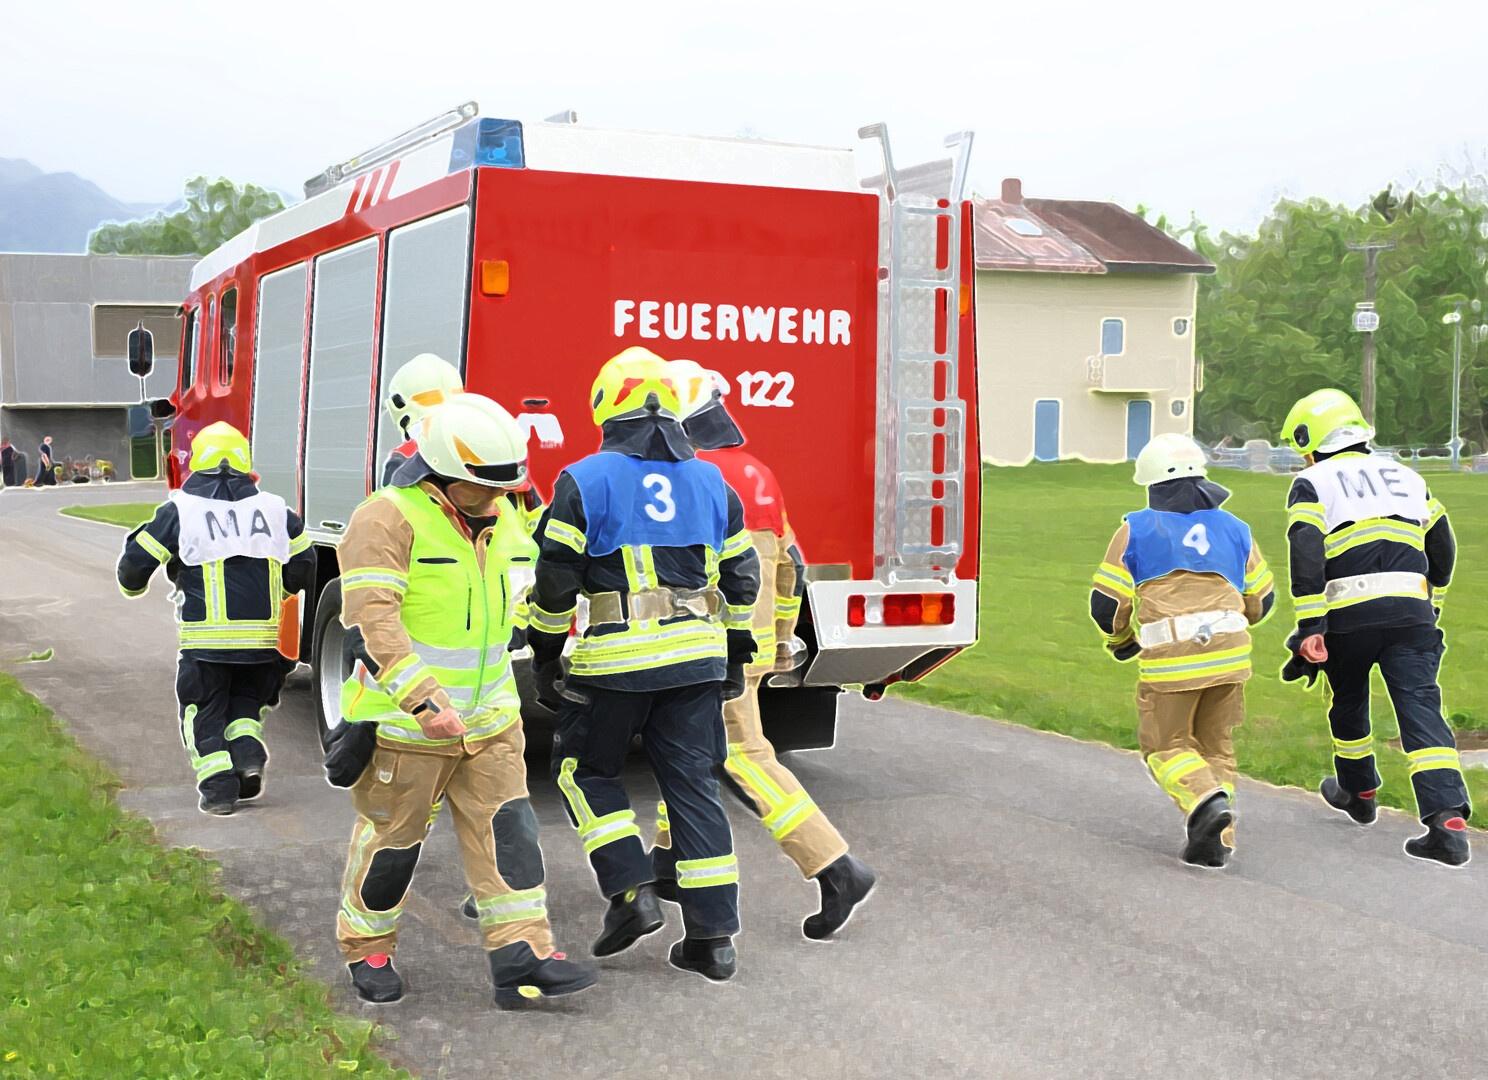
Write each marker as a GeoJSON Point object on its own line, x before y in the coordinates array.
{"type": "Point", "coordinates": [621, 609]}
{"type": "Point", "coordinates": [1199, 627]}
{"type": "Point", "coordinates": [1355, 589]}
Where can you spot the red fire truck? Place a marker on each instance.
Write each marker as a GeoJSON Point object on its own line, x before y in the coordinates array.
{"type": "Point", "coordinates": [837, 312]}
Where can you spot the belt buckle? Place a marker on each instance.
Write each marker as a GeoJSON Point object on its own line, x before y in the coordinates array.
{"type": "Point", "coordinates": [1203, 635]}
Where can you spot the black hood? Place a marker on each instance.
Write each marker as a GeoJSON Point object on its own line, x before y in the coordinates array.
{"type": "Point", "coordinates": [712, 428]}
{"type": "Point", "coordinates": [222, 483]}
{"type": "Point", "coordinates": [647, 436]}
{"type": "Point", "coordinates": [412, 471]}
{"type": "Point", "coordinates": [1187, 494]}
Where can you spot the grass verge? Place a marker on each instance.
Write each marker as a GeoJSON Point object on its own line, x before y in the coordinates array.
{"type": "Point", "coordinates": [1040, 660]}
{"type": "Point", "coordinates": [127, 515]}
{"type": "Point", "coordinates": [119, 957]}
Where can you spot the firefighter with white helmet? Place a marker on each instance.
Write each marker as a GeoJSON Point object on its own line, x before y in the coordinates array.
{"type": "Point", "coordinates": [1180, 586]}
{"type": "Point", "coordinates": [422, 383]}
{"type": "Point", "coordinates": [772, 791]}
{"type": "Point", "coordinates": [1372, 554]}
{"type": "Point", "coordinates": [655, 540]}
{"type": "Point", "coordinates": [233, 553]}
{"type": "Point", "coordinates": [426, 586]}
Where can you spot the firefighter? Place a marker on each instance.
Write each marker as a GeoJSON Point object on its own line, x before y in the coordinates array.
{"type": "Point", "coordinates": [770, 789]}
{"type": "Point", "coordinates": [1180, 586]}
{"type": "Point", "coordinates": [233, 553]}
{"type": "Point", "coordinates": [426, 566]}
{"type": "Point", "coordinates": [655, 540]}
{"type": "Point", "coordinates": [415, 388]}
{"type": "Point", "coordinates": [1372, 554]}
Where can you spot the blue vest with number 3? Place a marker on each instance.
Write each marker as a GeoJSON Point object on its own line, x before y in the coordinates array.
{"type": "Point", "coordinates": [1204, 542]}
{"type": "Point", "coordinates": [629, 502]}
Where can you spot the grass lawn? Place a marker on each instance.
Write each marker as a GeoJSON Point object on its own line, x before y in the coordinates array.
{"type": "Point", "coordinates": [119, 957]}
{"type": "Point", "coordinates": [1041, 663]}
{"type": "Point", "coordinates": [127, 515]}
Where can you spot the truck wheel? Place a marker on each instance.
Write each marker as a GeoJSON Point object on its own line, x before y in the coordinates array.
{"type": "Point", "coordinates": [329, 667]}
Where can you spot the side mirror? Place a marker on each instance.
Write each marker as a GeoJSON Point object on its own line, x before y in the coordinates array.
{"type": "Point", "coordinates": [141, 351]}
{"type": "Point", "coordinates": [162, 409]}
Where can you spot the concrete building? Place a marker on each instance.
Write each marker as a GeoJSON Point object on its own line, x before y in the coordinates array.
{"type": "Point", "coordinates": [1085, 329]}
{"type": "Point", "coordinates": [64, 324]}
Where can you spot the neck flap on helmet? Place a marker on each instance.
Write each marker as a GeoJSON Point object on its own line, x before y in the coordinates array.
{"type": "Point", "coordinates": [712, 428]}
{"type": "Point", "coordinates": [647, 434]}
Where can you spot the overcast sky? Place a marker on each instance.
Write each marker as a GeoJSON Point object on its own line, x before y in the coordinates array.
{"type": "Point", "coordinates": [1214, 108]}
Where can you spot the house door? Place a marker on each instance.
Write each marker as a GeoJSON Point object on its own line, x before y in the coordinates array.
{"type": "Point", "coordinates": [1138, 426]}
{"type": "Point", "coordinates": [1046, 430]}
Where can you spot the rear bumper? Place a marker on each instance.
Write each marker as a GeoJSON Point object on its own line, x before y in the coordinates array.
{"type": "Point", "coordinates": [878, 654]}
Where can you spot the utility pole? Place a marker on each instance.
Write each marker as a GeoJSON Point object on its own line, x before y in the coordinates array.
{"type": "Point", "coordinates": [1371, 254]}
{"type": "Point", "coordinates": [1455, 318]}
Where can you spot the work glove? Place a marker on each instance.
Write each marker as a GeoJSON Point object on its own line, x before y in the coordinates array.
{"type": "Point", "coordinates": [553, 690]}
{"type": "Point", "coordinates": [1296, 669]}
{"type": "Point", "coordinates": [1298, 666]}
{"type": "Point", "coordinates": [349, 750]}
{"type": "Point", "coordinates": [741, 647]}
{"type": "Point", "coordinates": [1127, 650]}
{"type": "Point", "coordinates": [518, 640]}
{"type": "Point", "coordinates": [789, 655]}
{"type": "Point", "coordinates": [733, 682]}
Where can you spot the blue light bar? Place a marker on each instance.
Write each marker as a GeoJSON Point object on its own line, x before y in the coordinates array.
{"type": "Point", "coordinates": [488, 141]}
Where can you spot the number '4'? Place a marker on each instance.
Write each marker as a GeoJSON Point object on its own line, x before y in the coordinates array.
{"type": "Point", "coordinates": [1198, 539]}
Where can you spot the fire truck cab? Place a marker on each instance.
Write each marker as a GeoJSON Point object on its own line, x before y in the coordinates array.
{"type": "Point", "coordinates": [835, 311]}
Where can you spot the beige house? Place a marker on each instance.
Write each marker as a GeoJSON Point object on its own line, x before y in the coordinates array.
{"type": "Point", "coordinates": [1085, 329]}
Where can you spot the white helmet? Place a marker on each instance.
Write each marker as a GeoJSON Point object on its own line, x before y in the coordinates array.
{"type": "Point", "coordinates": [695, 385]}
{"type": "Point", "coordinates": [419, 385]}
{"type": "Point", "coordinates": [472, 438]}
{"type": "Point", "coordinates": [704, 416]}
{"type": "Point", "coordinates": [1169, 457]}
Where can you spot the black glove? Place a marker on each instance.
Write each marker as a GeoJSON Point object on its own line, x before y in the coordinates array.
{"type": "Point", "coordinates": [1126, 650]}
{"type": "Point", "coordinates": [549, 679]}
{"type": "Point", "coordinates": [350, 749]}
{"type": "Point", "coordinates": [518, 640]}
{"type": "Point", "coordinates": [1296, 669]}
{"type": "Point", "coordinates": [733, 682]}
{"type": "Point", "coordinates": [741, 647]}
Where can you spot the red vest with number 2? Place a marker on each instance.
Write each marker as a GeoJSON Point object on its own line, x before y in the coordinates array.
{"type": "Point", "coordinates": [757, 488]}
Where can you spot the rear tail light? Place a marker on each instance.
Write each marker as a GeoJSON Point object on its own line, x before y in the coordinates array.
{"type": "Point", "coordinates": [902, 609]}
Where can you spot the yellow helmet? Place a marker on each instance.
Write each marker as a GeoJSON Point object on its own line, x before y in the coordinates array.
{"type": "Point", "coordinates": [470, 437]}
{"type": "Point", "coordinates": [627, 383]}
{"type": "Point", "coordinates": [419, 385]}
{"type": "Point", "coordinates": [220, 443]}
{"type": "Point", "coordinates": [1325, 420]}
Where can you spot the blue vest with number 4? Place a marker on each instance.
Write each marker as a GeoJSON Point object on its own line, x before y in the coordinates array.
{"type": "Point", "coordinates": [1204, 542]}
{"type": "Point", "coordinates": [629, 502]}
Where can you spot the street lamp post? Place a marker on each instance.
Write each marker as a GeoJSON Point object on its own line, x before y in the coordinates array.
{"type": "Point", "coordinates": [1454, 319]}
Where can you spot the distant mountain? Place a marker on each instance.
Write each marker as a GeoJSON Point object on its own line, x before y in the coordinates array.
{"type": "Point", "coordinates": [41, 211]}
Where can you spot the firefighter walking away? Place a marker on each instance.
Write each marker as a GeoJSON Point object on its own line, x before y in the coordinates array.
{"type": "Point", "coordinates": [426, 580]}
{"type": "Point", "coordinates": [1372, 554]}
{"type": "Point", "coordinates": [771, 790]}
{"type": "Point", "coordinates": [1180, 586]}
{"type": "Point", "coordinates": [655, 540]}
{"type": "Point", "coordinates": [234, 554]}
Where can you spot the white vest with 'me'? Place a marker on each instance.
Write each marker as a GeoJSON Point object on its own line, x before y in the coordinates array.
{"type": "Point", "coordinates": [214, 529]}
{"type": "Point", "coordinates": [1365, 487]}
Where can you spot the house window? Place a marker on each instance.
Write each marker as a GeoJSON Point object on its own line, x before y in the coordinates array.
{"type": "Point", "coordinates": [1113, 337]}
{"type": "Point", "coordinates": [188, 358]}
{"type": "Point", "coordinates": [227, 337]}
{"type": "Point", "coordinates": [1178, 406]}
{"type": "Point", "coordinates": [1180, 327]}
{"type": "Point", "coordinates": [112, 323]}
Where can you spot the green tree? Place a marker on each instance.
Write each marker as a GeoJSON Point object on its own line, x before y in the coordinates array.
{"type": "Point", "coordinates": [215, 211]}
{"type": "Point", "coordinates": [1275, 321]}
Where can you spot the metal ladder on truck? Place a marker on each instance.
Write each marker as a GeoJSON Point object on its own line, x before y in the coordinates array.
{"type": "Point", "coordinates": [921, 456]}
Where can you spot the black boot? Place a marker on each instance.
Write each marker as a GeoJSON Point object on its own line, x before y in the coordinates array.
{"type": "Point", "coordinates": [219, 794]}
{"type": "Point", "coordinates": [376, 980]}
{"type": "Point", "coordinates": [250, 782]}
{"type": "Point", "coordinates": [1362, 808]}
{"type": "Point", "coordinates": [844, 884]}
{"type": "Point", "coordinates": [468, 908]}
{"type": "Point", "coordinates": [631, 916]}
{"type": "Point", "coordinates": [712, 958]}
{"type": "Point", "coordinates": [519, 975]}
{"type": "Point", "coordinates": [1210, 818]}
{"type": "Point", "coordinates": [1444, 841]}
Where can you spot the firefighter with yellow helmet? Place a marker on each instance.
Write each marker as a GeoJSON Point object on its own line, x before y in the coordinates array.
{"type": "Point", "coordinates": [233, 553]}
{"type": "Point", "coordinates": [1372, 554]}
{"type": "Point", "coordinates": [655, 541]}
{"type": "Point", "coordinates": [1181, 584]}
{"type": "Point", "coordinates": [771, 790]}
{"type": "Point", "coordinates": [426, 583]}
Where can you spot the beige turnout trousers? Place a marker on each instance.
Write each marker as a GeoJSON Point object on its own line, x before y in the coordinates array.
{"type": "Point", "coordinates": [485, 786]}
{"type": "Point", "coordinates": [1187, 740]}
{"type": "Point", "coordinates": [785, 808]}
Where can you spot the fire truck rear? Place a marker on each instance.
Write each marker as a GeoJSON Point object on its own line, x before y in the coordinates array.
{"type": "Point", "coordinates": [835, 311]}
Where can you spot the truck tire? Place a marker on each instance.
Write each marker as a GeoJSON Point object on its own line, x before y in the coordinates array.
{"type": "Point", "coordinates": [329, 668]}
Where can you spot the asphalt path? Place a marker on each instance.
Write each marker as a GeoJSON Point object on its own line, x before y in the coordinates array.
{"type": "Point", "coordinates": [1031, 920]}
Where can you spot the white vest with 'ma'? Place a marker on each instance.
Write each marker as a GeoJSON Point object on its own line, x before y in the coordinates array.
{"type": "Point", "coordinates": [214, 529]}
{"type": "Point", "coordinates": [1360, 488]}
